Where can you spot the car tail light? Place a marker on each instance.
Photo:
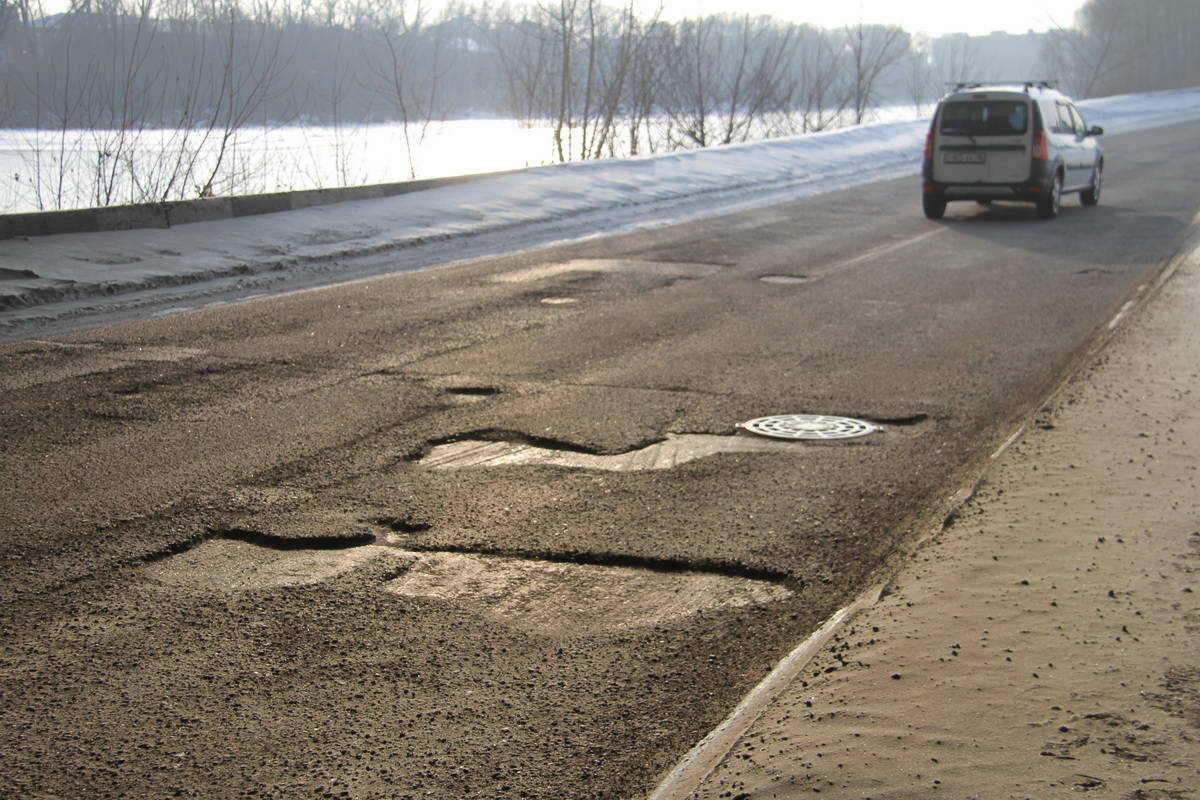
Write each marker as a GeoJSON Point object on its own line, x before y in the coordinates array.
{"type": "Point", "coordinates": [928, 146]}
{"type": "Point", "coordinates": [1040, 150]}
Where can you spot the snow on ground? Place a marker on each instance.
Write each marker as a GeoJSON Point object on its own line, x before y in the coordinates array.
{"type": "Point", "coordinates": [66, 282]}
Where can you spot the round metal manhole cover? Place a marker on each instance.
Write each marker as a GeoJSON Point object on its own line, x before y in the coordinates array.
{"type": "Point", "coordinates": [809, 426]}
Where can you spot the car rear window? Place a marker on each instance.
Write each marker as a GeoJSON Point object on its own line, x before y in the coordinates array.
{"type": "Point", "coordinates": [985, 118]}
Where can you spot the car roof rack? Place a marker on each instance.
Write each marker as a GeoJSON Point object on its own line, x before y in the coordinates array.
{"type": "Point", "coordinates": [959, 86]}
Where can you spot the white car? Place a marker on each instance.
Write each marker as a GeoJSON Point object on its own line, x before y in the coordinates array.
{"type": "Point", "coordinates": [1024, 142]}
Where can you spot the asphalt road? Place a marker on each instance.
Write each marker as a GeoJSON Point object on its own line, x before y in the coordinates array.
{"type": "Point", "coordinates": [230, 568]}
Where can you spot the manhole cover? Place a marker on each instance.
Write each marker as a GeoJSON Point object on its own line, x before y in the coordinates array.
{"type": "Point", "coordinates": [809, 426]}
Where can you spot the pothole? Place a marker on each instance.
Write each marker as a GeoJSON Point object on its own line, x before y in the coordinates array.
{"type": "Point", "coordinates": [784, 278]}
{"type": "Point", "coordinates": [463, 395]}
{"type": "Point", "coordinates": [473, 391]}
{"type": "Point", "coordinates": [563, 598]}
{"type": "Point", "coordinates": [606, 265]}
{"type": "Point", "coordinates": [239, 561]}
{"type": "Point", "coordinates": [671, 452]}
{"type": "Point", "coordinates": [571, 596]}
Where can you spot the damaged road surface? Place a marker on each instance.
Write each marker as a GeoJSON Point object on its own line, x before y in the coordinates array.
{"type": "Point", "coordinates": [491, 531]}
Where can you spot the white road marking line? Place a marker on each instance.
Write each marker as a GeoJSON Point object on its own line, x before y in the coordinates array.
{"type": "Point", "coordinates": [883, 250]}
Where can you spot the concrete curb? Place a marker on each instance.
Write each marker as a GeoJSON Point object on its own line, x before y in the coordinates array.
{"type": "Point", "coordinates": [166, 214]}
{"type": "Point", "coordinates": [700, 762]}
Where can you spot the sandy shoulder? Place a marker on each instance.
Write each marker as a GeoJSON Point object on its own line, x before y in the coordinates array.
{"type": "Point", "coordinates": [1048, 643]}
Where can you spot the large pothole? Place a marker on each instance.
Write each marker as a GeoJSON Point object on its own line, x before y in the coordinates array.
{"type": "Point", "coordinates": [234, 562]}
{"type": "Point", "coordinates": [575, 595]}
{"type": "Point", "coordinates": [563, 598]}
{"type": "Point", "coordinates": [671, 452]}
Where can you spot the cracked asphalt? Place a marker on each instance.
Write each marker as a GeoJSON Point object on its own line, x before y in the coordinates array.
{"type": "Point", "coordinates": [204, 516]}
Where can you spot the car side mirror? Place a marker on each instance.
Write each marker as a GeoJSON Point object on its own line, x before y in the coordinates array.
{"type": "Point", "coordinates": [1096, 130]}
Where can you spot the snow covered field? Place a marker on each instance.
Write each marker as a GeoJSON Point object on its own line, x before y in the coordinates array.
{"type": "Point", "coordinates": [45, 170]}
{"type": "Point", "coordinates": [65, 282]}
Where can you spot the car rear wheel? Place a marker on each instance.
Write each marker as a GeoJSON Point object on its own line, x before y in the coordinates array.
{"type": "Point", "coordinates": [935, 205]}
{"type": "Point", "coordinates": [1091, 195]}
{"type": "Point", "coordinates": [1049, 206]}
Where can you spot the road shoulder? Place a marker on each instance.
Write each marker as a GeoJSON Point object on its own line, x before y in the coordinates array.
{"type": "Point", "coordinates": [1045, 643]}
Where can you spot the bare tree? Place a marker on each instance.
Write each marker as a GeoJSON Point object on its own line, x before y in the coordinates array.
{"type": "Point", "coordinates": [871, 49]}
{"type": "Point", "coordinates": [617, 48]}
{"type": "Point", "coordinates": [573, 63]}
{"type": "Point", "coordinates": [340, 84]}
{"type": "Point", "coordinates": [57, 98]}
{"type": "Point", "coordinates": [250, 64]}
{"type": "Point", "coordinates": [607, 44]}
{"type": "Point", "coordinates": [395, 26]}
{"type": "Point", "coordinates": [758, 80]}
{"type": "Point", "coordinates": [647, 72]}
{"type": "Point", "coordinates": [562, 20]}
{"type": "Point", "coordinates": [524, 53]}
{"type": "Point", "coordinates": [822, 95]}
{"type": "Point", "coordinates": [1120, 46]}
{"type": "Point", "coordinates": [125, 89]}
{"type": "Point", "coordinates": [690, 99]}
{"type": "Point", "coordinates": [919, 80]}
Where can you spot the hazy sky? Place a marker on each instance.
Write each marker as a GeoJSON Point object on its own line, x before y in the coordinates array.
{"type": "Point", "coordinates": [935, 17]}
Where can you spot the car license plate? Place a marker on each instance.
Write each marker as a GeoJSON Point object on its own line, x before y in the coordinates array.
{"type": "Point", "coordinates": [965, 157]}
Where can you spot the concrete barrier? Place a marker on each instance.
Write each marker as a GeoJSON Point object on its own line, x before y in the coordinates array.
{"type": "Point", "coordinates": [182, 212]}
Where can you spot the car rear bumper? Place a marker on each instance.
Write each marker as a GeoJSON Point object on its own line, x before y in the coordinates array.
{"type": "Point", "coordinates": [1032, 190]}
{"type": "Point", "coordinates": [986, 192]}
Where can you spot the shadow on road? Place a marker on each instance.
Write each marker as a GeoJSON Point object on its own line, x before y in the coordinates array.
{"type": "Point", "coordinates": [1100, 235]}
